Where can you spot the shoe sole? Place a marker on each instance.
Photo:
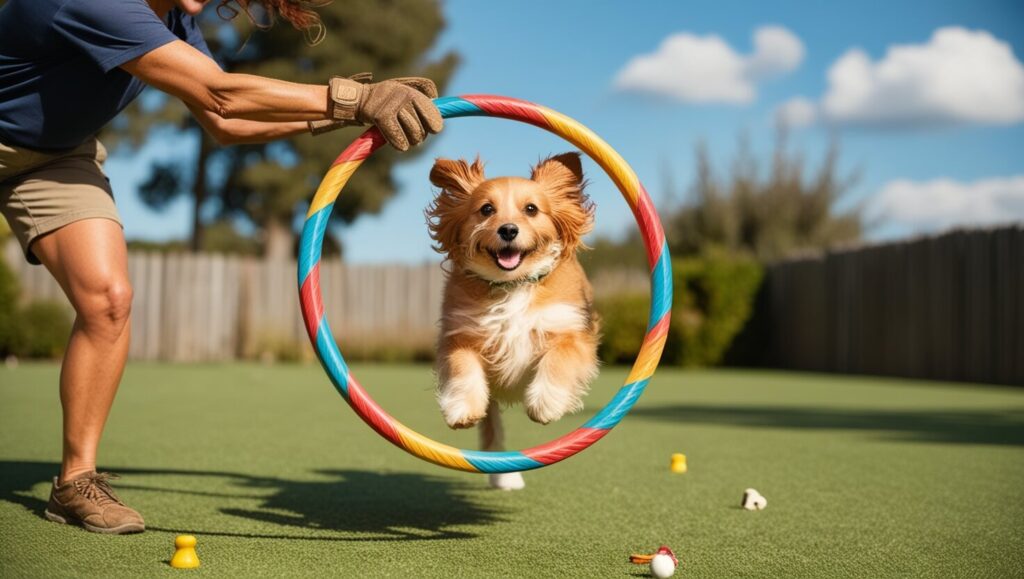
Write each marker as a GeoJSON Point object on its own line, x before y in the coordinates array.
{"type": "Point", "coordinates": [124, 529]}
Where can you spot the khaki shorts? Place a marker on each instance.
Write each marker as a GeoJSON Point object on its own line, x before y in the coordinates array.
{"type": "Point", "coordinates": [42, 192]}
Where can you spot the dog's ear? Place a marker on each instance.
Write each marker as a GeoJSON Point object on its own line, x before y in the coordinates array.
{"type": "Point", "coordinates": [563, 171]}
{"type": "Point", "coordinates": [572, 212]}
{"type": "Point", "coordinates": [457, 180]}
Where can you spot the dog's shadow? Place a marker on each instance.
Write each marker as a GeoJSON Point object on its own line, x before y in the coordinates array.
{"type": "Point", "coordinates": [337, 505]}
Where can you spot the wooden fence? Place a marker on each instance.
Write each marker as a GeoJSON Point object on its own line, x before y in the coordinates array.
{"type": "Point", "coordinates": [949, 307]}
{"type": "Point", "coordinates": [208, 307]}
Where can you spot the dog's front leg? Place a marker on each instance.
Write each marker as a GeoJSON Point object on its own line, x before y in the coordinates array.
{"type": "Point", "coordinates": [563, 375]}
{"type": "Point", "coordinates": [492, 438]}
{"type": "Point", "coordinates": [462, 386]}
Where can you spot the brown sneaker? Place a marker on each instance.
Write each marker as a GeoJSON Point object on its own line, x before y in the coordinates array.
{"type": "Point", "coordinates": [90, 502]}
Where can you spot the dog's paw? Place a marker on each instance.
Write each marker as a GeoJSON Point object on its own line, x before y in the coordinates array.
{"type": "Point", "coordinates": [463, 405]}
{"type": "Point", "coordinates": [542, 415]}
{"type": "Point", "coordinates": [459, 414]}
{"type": "Point", "coordinates": [463, 423]}
{"type": "Point", "coordinates": [507, 481]}
{"type": "Point", "coordinates": [546, 403]}
{"type": "Point", "coordinates": [459, 417]}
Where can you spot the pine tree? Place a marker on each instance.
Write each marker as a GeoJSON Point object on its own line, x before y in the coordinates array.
{"type": "Point", "coordinates": [766, 215]}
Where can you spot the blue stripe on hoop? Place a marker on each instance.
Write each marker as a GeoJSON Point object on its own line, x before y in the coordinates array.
{"type": "Point", "coordinates": [330, 357]}
{"type": "Point", "coordinates": [613, 412]}
{"type": "Point", "coordinates": [500, 461]}
{"type": "Point", "coordinates": [312, 241]}
{"type": "Point", "coordinates": [661, 288]}
{"type": "Point", "coordinates": [453, 107]}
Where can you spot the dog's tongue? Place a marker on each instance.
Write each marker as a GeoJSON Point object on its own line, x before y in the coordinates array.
{"type": "Point", "coordinates": [509, 258]}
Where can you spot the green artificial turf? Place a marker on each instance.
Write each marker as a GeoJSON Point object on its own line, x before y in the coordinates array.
{"type": "Point", "coordinates": [277, 477]}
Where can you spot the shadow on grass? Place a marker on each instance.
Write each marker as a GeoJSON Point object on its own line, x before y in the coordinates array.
{"type": "Point", "coordinates": [367, 506]}
{"type": "Point", "coordinates": [996, 426]}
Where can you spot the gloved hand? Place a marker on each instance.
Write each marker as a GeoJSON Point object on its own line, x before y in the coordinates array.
{"type": "Point", "coordinates": [400, 108]}
{"type": "Point", "coordinates": [328, 125]}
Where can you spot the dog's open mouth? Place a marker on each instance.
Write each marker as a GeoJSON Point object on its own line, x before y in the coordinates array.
{"type": "Point", "coordinates": [508, 258]}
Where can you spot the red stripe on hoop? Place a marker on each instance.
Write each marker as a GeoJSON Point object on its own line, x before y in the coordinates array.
{"type": "Point", "coordinates": [362, 147]}
{"type": "Point", "coordinates": [566, 446]}
{"type": "Point", "coordinates": [509, 108]}
{"type": "Point", "coordinates": [371, 413]}
{"type": "Point", "coordinates": [312, 307]}
{"type": "Point", "coordinates": [660, 329]}
{"type": "Point", "coordinates": [647, 216]}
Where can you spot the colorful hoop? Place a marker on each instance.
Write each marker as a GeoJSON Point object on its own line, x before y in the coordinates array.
{"type": "Point", "coordinates": [399, 434]}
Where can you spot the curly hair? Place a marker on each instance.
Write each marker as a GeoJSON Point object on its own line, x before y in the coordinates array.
{"type": "Point", "coordinates": [301, 13]}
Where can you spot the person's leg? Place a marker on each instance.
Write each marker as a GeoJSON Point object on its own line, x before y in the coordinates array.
{"type": "Point", "coordinates": [89, 260]}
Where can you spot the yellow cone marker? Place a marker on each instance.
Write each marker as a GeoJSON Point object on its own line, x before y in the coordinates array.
{"type": "Point", "coordinates": [678, 463]}
{"type": "Point", "coordinates": [185, 553]}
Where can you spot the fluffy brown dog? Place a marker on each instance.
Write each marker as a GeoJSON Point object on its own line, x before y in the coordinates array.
{"type": "Point", "coordinates": [517, 319]}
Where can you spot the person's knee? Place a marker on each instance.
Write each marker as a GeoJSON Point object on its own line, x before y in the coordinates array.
{"type": "Point", "coordinates": [107, 307]}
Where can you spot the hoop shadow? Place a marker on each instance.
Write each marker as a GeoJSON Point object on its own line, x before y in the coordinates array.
{"type": "Point", "coordinates": [364, 506]}
{"type": "Point", "coordinates": [986, 426]}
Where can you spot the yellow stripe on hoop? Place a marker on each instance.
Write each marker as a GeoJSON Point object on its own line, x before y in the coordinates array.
{"type": "Point", "coordinates": [431, 450]}
{"type": "Point", "coordinates": [332, 184]}
{"type": "Point", "coordinates": [597, 149]}
{"type": "Point", "coordinates": [647, 359]}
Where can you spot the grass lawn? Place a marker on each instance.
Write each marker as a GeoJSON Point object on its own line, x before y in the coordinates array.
{"type": "Point", "coordinates": [276, 477]}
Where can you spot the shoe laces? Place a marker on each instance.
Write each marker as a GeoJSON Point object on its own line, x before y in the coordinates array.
{"type": "Point", "coordinates": [97, 488]}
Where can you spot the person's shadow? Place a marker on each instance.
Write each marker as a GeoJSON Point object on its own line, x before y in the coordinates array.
{"type": "Point", "coordinates": [355, 505]}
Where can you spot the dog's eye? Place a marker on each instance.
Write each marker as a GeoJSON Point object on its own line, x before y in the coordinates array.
{"type": "Point", "coordinates": [531, 209]}
{"type": "Point", "coordinates": [487, 210]}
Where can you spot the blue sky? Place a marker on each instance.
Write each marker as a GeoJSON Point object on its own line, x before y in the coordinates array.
{"type": "Point", "coordinates": [951, 155]}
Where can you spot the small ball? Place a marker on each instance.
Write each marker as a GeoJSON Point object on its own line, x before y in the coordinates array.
{"type": "Point", "coordinates": [662, 566]}
{"type": "Point", "coordinates": [184, 541]}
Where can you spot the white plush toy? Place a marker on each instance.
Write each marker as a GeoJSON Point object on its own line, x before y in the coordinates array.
{"type": "Point", "coordinates": [753, 501]}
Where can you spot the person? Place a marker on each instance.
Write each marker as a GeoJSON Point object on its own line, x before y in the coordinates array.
{"type": "Point", "coordinates": [67, 67]}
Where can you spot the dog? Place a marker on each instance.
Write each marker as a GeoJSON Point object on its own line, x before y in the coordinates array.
{"type": "Point", "coordinates": [517, 319]}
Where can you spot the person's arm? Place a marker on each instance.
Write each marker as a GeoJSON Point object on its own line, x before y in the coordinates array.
{"type": "Point", "coordinates": [401, 108]}
{"type": "Point", "coordinates": [181, 70]}
{"type": "Point", "coordinates": [240, 131]}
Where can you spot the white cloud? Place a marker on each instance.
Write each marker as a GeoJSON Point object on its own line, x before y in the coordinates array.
{"type": "Point", "coordinates": [958, 76]}
{"type": "Point", "coordinates": [944, 203]}
{"type": "Point", "coordinates": [797, 112]}
{"type": "Point", "coordinates": [705, 69]}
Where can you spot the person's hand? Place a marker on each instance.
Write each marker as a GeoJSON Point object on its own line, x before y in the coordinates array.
{"type": "Point", "coordinates": [401, 108]}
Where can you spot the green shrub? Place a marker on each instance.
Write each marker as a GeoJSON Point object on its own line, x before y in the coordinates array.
{"type": "Point", "coordinates": [38, 330]}
{"type": "Point", "coordinates": [42, 330]}
{"type": "Point", "coordinates": [623, 324]}
{"type": "Point", "coordinates": [8, 309]}
{"type": "Point", "coordinates": [713, 298]}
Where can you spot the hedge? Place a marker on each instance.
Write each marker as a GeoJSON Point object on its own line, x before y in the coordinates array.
{"type": "Point", "coordinates": [38, 330]}
{"type": "Point", "coordinates": [8, 309]}
{"type": "Point", "coordinates": [713, 299]}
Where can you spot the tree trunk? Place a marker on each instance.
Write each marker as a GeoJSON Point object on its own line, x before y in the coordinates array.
{"type": "Point", "coordinates": [279, 240]}
{"type": "Point", "coordinates": [199, 191]}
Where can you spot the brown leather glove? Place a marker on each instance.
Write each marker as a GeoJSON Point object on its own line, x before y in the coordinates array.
{"type": "Point", "coordinates": [328, 125]}
{"type": "Point", "coordinates": [401, 108]}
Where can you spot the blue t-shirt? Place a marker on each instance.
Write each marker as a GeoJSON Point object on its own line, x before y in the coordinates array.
{"type": "Point", "coordinates": [59, 81]}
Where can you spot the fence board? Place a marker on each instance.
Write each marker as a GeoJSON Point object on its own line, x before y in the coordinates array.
{"type": "Point", "coordinates": [949, 307]}
{"type": "Point", "coordinates": [189, 307]}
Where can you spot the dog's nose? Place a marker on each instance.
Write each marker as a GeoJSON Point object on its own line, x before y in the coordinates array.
{"type": "Point", "coordinates": [509, 231]}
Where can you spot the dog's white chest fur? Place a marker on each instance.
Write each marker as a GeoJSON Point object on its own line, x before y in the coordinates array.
{"type": "Point", "coordinates": [514, 331]}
